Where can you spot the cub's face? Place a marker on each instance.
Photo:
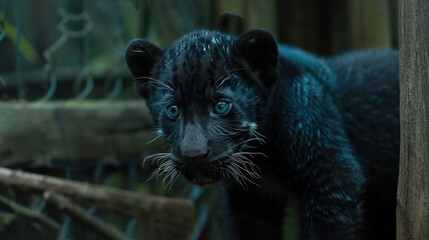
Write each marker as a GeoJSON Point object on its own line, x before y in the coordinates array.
{"type": "Point", "coordinates": [206, 94]}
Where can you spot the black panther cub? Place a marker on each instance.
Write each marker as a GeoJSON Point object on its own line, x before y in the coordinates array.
{"type": "Point", "coordinates": [270, 122]}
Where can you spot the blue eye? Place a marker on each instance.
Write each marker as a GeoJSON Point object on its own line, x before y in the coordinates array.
{"type": "Point", "coordinates": [222, 107]}
{"type": "Point", "coordinates": [173, 111]}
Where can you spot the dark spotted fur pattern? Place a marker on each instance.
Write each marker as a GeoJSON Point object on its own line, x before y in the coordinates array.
{"type": "Point", "coordinates": [270, 122]}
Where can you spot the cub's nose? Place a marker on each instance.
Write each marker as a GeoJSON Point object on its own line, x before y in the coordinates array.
{"type": "Point", "coordinates": [195, 155]}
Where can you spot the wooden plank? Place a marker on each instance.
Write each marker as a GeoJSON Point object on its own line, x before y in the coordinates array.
{"type": "Point", "coordinates": [40, 132]}
{"type": "Point", "coordinates": [413, 186]}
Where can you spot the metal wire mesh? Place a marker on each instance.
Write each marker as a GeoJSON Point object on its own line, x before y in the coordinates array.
{"type": "Point", "coordinates": [72, 37]}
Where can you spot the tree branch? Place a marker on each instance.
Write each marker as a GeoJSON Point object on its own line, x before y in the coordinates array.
{"type": "Point", "coordinates": [24, 211]}
{"type": "Point", "coordinates": [159, 217]}
{"type": "Point", "coordinates": [104, 229]}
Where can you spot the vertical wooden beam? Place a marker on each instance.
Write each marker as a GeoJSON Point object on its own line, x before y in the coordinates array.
{"type": "Point", "coordinates": [413, 186]}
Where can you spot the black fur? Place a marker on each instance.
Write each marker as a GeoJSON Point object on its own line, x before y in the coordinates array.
{"type": "Point", "coordinates": [322, 130]}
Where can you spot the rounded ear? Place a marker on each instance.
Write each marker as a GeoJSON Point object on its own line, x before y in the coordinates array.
{"type": "Point", "coordinates": [259, 50]}
{"type": "Point", "coordinates": [141, 57]}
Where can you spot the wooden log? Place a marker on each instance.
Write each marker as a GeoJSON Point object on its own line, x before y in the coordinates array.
{"type": "Point", "coordinates": [74, 130]}
{"type": "Point", "coordinates": [63, 74]}
{"type": "Point", "coordinates": [159, 217]}
{"type": "Point", "coordinates": [413, 186]}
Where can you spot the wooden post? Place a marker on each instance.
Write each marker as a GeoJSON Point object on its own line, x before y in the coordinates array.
{"type": "Point", "coordinates": [413, 186]}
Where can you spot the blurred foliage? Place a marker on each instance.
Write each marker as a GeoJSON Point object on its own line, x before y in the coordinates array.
{"type": "Point", "coordinates": [115, 179]}
{"type": "Point", "coordinates": [291, 221]}
{"type": "Point", "coordinates": [24, 46]}
{"type": "Point", "coordinates": [5, 220]}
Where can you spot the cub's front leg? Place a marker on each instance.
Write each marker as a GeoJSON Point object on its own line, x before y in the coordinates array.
{"type": "Point", "coordinates": [332, 183]}
{"type": "Point", "coordinates": [331, 203]}
{"type": "Point", "coordinates": [311, 140]}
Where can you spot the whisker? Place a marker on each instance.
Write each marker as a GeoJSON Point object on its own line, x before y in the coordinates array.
{"type": "Point", "coordinates": [176, 176]}
{"type": "Point", "coordinates": [169, 174]}
{"type": "Point", "coordinates": [234, 173]}
{"type": "Point", "coordinates": [168, 101]}
{"type": "Point", "coordinates": [218, 130]}
{"type": "Point", "coordinates": [260, 140]}
{"type": "Point", "coordinates": [259, 136]}
{"type": "Point", "coordinates": [154, 81]}
{"type": "Point", "coordinates": [242, 156]}
{"type": "Point", "coordinates": [153, 156]}
{"type": "Point", "coordinates": [250, 153]}
{"type": "Point", "coordinates": [247, 179]}
{"type": "Point", "coordinates": [258, 133]}
{"type": "Point", "coordinates": [224, 80]}
{"type": "Point", "coordinates": [153, 139]}
{"type": "Point", "coordinates": [227, 76]}
{"type": "Point", "coordinates": [252, 174]}
{"type": "Point", "coordinates": [154, 84]}
{"type": "Point", "coordinates": [246, 162]}
{"type": "Point", "coordinates": [241, 175]}
{"type": "Point", "coordinates": [245, 141]}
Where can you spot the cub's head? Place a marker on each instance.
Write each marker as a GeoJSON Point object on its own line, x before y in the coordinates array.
{"type": "Point", "coordinates": [206, 94]}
